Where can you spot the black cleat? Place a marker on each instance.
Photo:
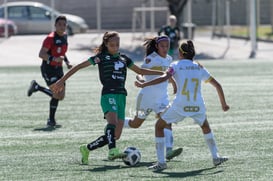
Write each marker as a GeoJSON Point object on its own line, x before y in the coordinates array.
{"type": "Point", "coordinates": [51, 123]}
{"type": "Point", "coordinates": [32, 88]}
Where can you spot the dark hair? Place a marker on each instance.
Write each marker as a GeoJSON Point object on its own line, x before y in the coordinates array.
{"type": "Point", "coordinates": [107, 35]}
{"type": "Point", "coordinates": [187, 50]}
{"type": "Point", "coordinates": [150, 43]}
{"type": "Point", "coordinates": [61, 17]}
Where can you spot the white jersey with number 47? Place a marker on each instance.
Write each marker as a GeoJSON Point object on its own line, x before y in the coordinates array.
{"type": "Point", "coordinates": [188, 76]}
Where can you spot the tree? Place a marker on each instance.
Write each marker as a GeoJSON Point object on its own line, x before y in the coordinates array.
{"type": "Point", "coordinates": [176, 8]}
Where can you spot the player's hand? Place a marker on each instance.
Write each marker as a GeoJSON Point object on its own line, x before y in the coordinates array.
{"type": "Point", "coordinates": [225, 107]}
{"type": "Point", "coordinates": [140, 78]}
{"type": "Point", "coordinates": [58, 87]}
{"type": "Point", "coordinates": [139, 84]}
{"type": "Point", "coordinates": [68, 65]}
{"type": "Point", "coordinates": [59, 59]}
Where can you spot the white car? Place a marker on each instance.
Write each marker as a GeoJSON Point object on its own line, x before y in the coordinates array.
{"type": "Point", "coordinates": [35, 18]}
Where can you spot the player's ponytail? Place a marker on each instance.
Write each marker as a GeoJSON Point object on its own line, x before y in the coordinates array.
{"type": "Point", "coordinates": [107, 35]}
{"type": "Point", "coordinates": [151, 43]}
{"type": "Point", "coordinates": [187, 50]}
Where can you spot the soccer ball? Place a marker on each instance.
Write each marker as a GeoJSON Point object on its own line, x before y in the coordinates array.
{"type": "Point", "coordinates": [133, 156]}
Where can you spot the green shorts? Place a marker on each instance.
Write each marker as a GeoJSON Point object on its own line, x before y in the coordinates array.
{"type": "Point", "coordinates": [114, 103]}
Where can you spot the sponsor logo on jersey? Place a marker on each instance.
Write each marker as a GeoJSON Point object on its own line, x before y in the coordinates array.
{"type": "Point", "coordinates": [118, 65]}
{"type": "Point", "coordinates": [59, 49]}
{"type": "Point", "coordinates": [58, 41]}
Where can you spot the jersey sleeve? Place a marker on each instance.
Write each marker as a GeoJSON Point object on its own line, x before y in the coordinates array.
{"type": "Point", "coordinates": [206, 76]}
{"type": "Point", "coordinates": [171, 69]}
{"type": "Point", "coordinates": [48, 42]}
{"type": "Point", "coordinates": [94, 60]}
{"type": "Point", "coordinates": [129, 61]}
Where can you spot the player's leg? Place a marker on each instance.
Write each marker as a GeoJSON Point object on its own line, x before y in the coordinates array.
{"type": "Point", "coordinates": [53, 77]}
{"type": "Point", "coordinates": [168, 117]}
{"type": "Point", "coordinates": [49, 75]}
{"type": "Point", "coordinates": [136, 122]}
{"type": "Point", "coordinates": [160, 146]}
{"type": "Point", "coordinates": [210, 140]}
{"type": "Point", "coordinates": [170, 152]}
{"type": "Point", "coordinates": [143, 109]}
{"type": "Point", "coordinates": [53, 105]}
{"type": "Point", "coordinates": [107, 139]}
{"type": "Point", "coordinates": [34, 87]}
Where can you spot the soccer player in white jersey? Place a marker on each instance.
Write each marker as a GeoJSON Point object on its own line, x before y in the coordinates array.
{"type": "Point", "coordinates": [187, 103]}
{"type": "Point", "coordinates": [155, 98]}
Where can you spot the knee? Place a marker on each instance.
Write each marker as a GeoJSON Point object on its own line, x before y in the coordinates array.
{"type": "Point", "coordinates": [135, 125]}
{"type": "Point", "coordinates": [160, 124]}
{"type": "Point", "coordinates": [60, 97]}
{"type": "Point", "coordinates": [206, 128]}
{"type": "Point", "coordinates": [136, 122]}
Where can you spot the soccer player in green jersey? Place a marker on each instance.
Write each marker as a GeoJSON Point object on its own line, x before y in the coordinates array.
{"type": "Point", "coordinates": [112, 71]}
{"type": "Point", "coordinates": [173, 32]}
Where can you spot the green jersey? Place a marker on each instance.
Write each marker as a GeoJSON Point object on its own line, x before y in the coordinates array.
{"type": "Point", "coordinates": [112, 71]}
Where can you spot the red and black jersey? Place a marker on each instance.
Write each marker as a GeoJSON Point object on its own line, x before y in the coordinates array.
{"type": "Point", "coordinates": [56, 45]}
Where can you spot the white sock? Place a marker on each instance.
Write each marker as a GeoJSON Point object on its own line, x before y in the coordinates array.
{"type": "Point", "coordinates": [160, 149]}
{"type": "Point", "coordinates": [168, 139]}
{"type": "Point", "coordinates": [126, 122]}
{"type": "Point", "coordinates": [211, 144]}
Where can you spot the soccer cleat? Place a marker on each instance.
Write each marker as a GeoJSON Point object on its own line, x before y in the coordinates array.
{"type": "Point", "coordinates": [114, 154]}
{"type": "Point", "coordinates": [219, 160]}
{"type": "Point", "coordinates": [174, 153]}
{"type": "Point", "coordinates": [32, 88]}
{"type": "Point", "coordinates": [51, 123]}
{"type": "Point", "coordinates": [85, 154]}
{"type": "Point", "coordinates": [158, 166]}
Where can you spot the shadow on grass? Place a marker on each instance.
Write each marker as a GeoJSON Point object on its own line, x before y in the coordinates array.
{"type": "Point", "coordinates": [48, 128]}
{"type": "Point", "coordinates": [102, 168]}
{"type": "Point", "coordinates": [190, 173]}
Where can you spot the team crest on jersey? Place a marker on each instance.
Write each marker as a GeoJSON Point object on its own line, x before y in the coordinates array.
{"type": "Point", "coordinates": [147, 60]}
{"type": "Point", "coordinates": [97, 60]}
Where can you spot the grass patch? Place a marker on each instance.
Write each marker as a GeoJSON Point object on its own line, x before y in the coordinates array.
{"type": "Point", "coordinates": [30, 152]}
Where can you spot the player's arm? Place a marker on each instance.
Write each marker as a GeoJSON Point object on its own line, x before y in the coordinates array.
{"type": "Point", "coordinates": [48, 58]}
{"type": "Point", "coordinates": [220, 92]}
{"type": "Point", "coordinates": [158, 80]}
{"type": "Point", "coordinates": [172, 81]}
{"type": "Point", "coordinates": [59, 85]}
{"type": "Point", "coordinates": [69, 66]}
{"type": "Point", "coordinates": [144, 71]}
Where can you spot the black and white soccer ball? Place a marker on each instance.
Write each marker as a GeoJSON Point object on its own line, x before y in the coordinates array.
{"type": "Point", "coordinates": [133, 156]}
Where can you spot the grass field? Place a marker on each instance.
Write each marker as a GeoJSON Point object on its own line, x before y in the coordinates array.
{"type": "Point", "coordinates": [31, 152]}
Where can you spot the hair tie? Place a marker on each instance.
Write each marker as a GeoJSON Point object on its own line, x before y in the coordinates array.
{"type": "Point", "coordinates": [181, 50]}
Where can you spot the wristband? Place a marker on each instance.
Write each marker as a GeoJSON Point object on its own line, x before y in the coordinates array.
{"type": "Point", "coordinates": [50, 58]}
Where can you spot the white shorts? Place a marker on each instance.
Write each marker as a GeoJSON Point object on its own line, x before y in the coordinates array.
{"type": "Point", "coordinates": [147, 103]}
{"type": "Point", "coordinates": [172, 116]}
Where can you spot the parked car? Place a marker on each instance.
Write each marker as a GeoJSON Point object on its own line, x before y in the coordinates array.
{"type": "Point", "coordinates": [35, 18]}
{"type": "Point", "coordinates": [12, 28]}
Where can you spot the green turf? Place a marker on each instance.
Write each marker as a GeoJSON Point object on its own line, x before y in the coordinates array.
{"type": "Point", "coordinates": [31, 152]}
